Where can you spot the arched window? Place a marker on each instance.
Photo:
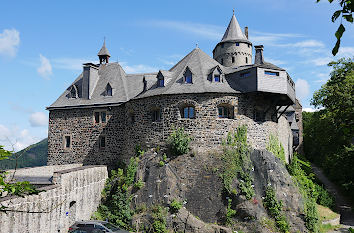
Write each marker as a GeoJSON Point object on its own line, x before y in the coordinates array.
{"type": "Point", "coordinates": [188, 111]}
{"type": "Point", "coordinates": [109, 90]}
{"type": "Point", "coordinates": [73, 92]}
{"type": "Point", "coordinates": [188, 76]}
{"type": "Point", "coordinates": [226, 111]}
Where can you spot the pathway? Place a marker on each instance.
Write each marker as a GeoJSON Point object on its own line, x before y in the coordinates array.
{"type": "Point", "coordinates": [342, 204]}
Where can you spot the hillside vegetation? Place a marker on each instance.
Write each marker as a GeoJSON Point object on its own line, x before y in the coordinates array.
{"type": "Point", "coordinates": [32, 156]}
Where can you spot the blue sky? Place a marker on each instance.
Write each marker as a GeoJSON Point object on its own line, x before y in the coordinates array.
{"type": "Point", "coordinates": [44, 43]}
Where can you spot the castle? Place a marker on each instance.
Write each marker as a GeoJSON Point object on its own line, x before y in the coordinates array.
{"type": "Point", "coordinates": [105, 112]}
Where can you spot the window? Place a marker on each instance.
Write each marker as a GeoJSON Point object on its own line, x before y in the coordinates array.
{"type": "Point", "coordinates": [267, 72]}
{"type": "Point", "coordinates": [233, 59]}
{"type": "Point", "coordinates": [188, 76]}
{"type": "Point", "coordinates": [244, 75]}
{"type": "Point", "coordinates": [109, 91]}
{"type": "Point", "coordinates": [156, 115]}
{"type": "Point", "coordinates": [246, 60]}
{"type": "Point", "coordinates": [237, 44]}
{"type": "Point", "coordinates": [100, 117]}
{"type": "Point", "coordinates": [160, 81]}
{"type": "Point", "coordinates": [67, 142]}
{"type": "Point", "coordinates": [248, 45]}
{"type": "Point", "coordinates": [217, 78]}
{"type": "Point", "coordinates": [73, 92]}
{"type": "Point", "coordinates": [222, 61]}
{"type": "Point", "coordinates": [188, 112]}
{"type": "Point", "coordinates": [102, 142]}
{"type": "Point", "coordinates": [226, 111]}
{"type": "Point", "coordinates": [222, 45]}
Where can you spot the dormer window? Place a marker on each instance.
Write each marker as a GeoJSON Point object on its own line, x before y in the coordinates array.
{"type": "Point", "coordinates": [237, 44]}
{"type": "Point", "coordinates": [217, 78]}
{"type": "Point", "coordinates": [109, 91]}
{"type": "Point", "coordinates": [160, 81]}
{"type": "Point", "coordinates": [73, 92]}
{"type": "Point", "coordinates": [188, 76]}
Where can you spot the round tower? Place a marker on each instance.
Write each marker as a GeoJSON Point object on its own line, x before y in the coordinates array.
{"type": "Point", "coordinates": [234, 49]}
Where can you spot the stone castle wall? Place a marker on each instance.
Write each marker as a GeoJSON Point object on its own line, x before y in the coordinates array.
{"type": "Point", "coordinates": [74, 195]}
{"type": "Point", "coordinates": [131, 124]}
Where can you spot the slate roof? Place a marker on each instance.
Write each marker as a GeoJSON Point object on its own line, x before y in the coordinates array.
{"type": "Point", "coordinates": [233, 31]}
{"type": "Point", "coordinates": [103, 51]}
{"type": "Point", "coordinates": [131, 86]}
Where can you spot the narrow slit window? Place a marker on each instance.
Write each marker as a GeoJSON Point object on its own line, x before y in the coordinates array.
{"type": "Point", "coordinates": [97, 117]}
{"type": "Point", "coordinates": [267, 72]}
{"type": "Point", "coordinates": [233, 59]}
{"type": "Point", "coordinates": [109, 91]}
{"type": "Point", "coordinates": [156, 115]}
{"type": "Point", "coordinates": [222, 61]}
{"type": "Point", "coordinates": [102, 142]}
{"type": "Point", "coordinates": [246, 60]}
{"type": "Point", "coordinates": [67, 142]}
{"type": "Point", "coordinates": [103, 117]}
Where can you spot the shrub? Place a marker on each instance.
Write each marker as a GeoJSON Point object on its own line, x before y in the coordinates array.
{"type": "Point", "coordinates": [175, 206]}
{"type": "Point", "coordinates": [159, 219]}
{"type": "Point", "coordinates": [274, 208]}
{"type": "Point", "coordinates": [161, 163]}
{"type": "Point", "coordinates": [230, 213]}
{"type": "Point", "coordinates": [311, 216]}
{"type": "Point", "coordinates": [275, 147]}
{"type": "Point", "coordinates": [139, 184]}
{"type": "Point", "coordinates": [179, 142]}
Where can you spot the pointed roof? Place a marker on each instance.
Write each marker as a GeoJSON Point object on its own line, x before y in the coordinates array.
{"type": "Point", "coordinates": [233, 31]}
{"type": "Point", "coordinates": [103, 51]}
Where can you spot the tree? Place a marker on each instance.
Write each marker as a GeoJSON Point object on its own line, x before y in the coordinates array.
{"type": "Point", "coordinates": [16, 188]}
{"type": "Point", "coordinates": [347, 13]}
{"type": "Point", "coordinates": [328, 133]}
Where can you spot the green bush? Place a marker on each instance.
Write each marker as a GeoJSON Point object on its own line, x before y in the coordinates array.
{"type": "Point", "coordinates": [161, 163]}
{"type": "Point", "coordinates": [274, 208]}
{"type": "Point", "coordinates": [179, 142]}
{"type": "Point", "coordinates": [230, 213]}
{"type": "Point", "coordinates": [311, 216]}
{"type": "Point", "coordinates": [159, 214]}
{"type": "Point", "coordinates": [275, 147]}
{"type": "Point", "coordinates": [139, 184]}
{"type": "Point", "coordinates": [175, 206]}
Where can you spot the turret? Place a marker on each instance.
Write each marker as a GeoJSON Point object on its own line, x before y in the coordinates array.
{"type": "Point", "coordinates": [234, 49]}
{"type": "Point", "coordinates": [103, 54]}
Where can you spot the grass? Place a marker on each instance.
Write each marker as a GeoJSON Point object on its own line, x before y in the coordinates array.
{"type": "Point", "coordinates": [326, 213]}
{"type": "Point", "coordinates": [324, 228]}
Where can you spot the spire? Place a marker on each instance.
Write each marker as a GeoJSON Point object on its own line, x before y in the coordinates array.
{"type": "Point", "coordinates": [233, 31]}
{"type": "Point", "coordinates": [103, 54]}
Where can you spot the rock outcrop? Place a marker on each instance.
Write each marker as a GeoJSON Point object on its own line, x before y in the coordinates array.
{"type": "Point", "coordinates": [194, 179]}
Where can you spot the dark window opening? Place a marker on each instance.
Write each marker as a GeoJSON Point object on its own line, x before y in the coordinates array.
{"type": "Point", "coordinates": [226, 112]}
{"type": "Point", "coordinates": [73, 93]}
{"type": "Point", "coordinates": [102, 142]}
{"type": "Point", "coordinates": [271, 73]}
{"type": "Point", "coordinates": [222, 45]}
{"type": "Point", "coordinates": [246, 60]}
{"type": "Point", "coordinates": [222, 61]}
{"type": "Point", "coordinates": [188, 112]}
{"type": "Point", "coordinates": [67, 141]}
{"type": "Point", "coordinates": [216, 78]}
{"type": "Point", "coordinates": [97, 117]}
{"type": "Point", "coordinates": [161, 83]}
{"type": "Point", "coordinates": [109, 91]}
{"type": "Point", "coordinates": [248, 45]}
{"type": "Point", "coordinates": [156, 115]}
{"type": "Point", "coordinates": [189, 79]}
{"type": "Point", "coordinates": [103, 117]}
{"type": "Point", "coordinates": [237, 44]}
{"type": "Point", "coordinates": [233, 59]}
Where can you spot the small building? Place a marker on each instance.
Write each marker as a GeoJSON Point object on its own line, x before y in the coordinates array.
{"type": "Point", "coordinates": [105, 112]}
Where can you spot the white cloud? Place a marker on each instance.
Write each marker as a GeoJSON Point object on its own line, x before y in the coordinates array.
{"type": "Point", "coordinates": [208, 31]}
{"type": "Point", "coordinates": [16, 139]}
{"type": "Point", "coordinates": [311, 109]}
{"type": "Point", "coordinates": [302, 88]}
{"type": "Point", "coordinates": [70, 63]}
{"type": "Point", "coordinates": [45, 69]}
{"type": "Point", "coordinates": [134, 69]}
{"type": "Point", "coordinates": [9, 42]}
{"type": "Point", "coordinates": [307, 44]}
{"type": "Point", "coordinates": [346, 52]}
{"type": "Point", "coordinates": [322, 61]}
{"type": "Point", "coordinates": [38, 119]}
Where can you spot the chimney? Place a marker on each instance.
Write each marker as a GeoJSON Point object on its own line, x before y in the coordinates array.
{"type": "Point", "coordinates": [259, 59]}
{"type": "Point", "coordinates": [246, 32]}
{"type": "Point", "coordinates": [89, 80]}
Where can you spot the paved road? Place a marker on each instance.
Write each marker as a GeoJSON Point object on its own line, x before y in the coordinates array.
{"type": "Point", "coordinates": [342, 204]}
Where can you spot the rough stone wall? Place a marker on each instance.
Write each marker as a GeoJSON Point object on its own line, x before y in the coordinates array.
{"type": "Point", "coordinates": [75, 195]}
{"type": "Point", "coordinates": [131, 124]}
{"type": "Point", "coordinates": [285, 137]}
{"type": "Point", "coordinates": [231, 50]}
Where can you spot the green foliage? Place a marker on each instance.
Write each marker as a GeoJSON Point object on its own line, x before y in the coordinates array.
{"type": "Point", "coordinates": [18, 188]}
{"type": "Point", "coordinates": [328, 133]}
{"type": "Point", "coordinates": [116, 198]}
{"type": "Point", "coordinates": [175, 206]}
{"type": "Point", "coordinates": [230, 213]}
{"type": "Point", "coordinates": [274, 208]}
{"type": "Point", "coordinates": [311, 216]}
{"type": "Point", "coordinates": [179, 142]}
{"type": "Point", "coordinates": [346, 11]}
{"type": "Point", "coordinates": [237, 163]}
{"type": "Point", "coordinates": [161, 163]}
{"type": "Point", "coordinates": [159, 214]}
{"type": "Point", "coordinates": [32, 156]}
{"type": "Point", "coordinates": [139, 184]}
{"type": "Point", "coordinates": [351, 230]}
{"type": "Point", "coordinates": [274, 146]}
